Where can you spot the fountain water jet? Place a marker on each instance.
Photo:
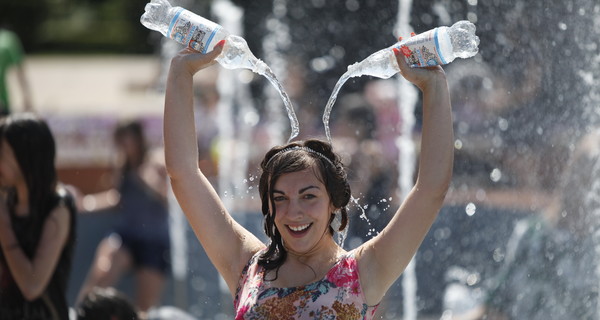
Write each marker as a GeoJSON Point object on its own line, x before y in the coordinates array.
{"type": "Point", "coordinates": [407, 101]}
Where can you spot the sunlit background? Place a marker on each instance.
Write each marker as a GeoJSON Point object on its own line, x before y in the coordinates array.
{"type": "Point", "coordinates": [520, 106]}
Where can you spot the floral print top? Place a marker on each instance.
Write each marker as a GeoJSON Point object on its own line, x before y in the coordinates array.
{"type": "Point", "coordinates": [337, 296]}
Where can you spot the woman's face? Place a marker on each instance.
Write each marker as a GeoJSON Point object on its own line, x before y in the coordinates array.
{"type": "Point", "coordinates": [303, 210]}
{"type": "Point", "coordinates": [10, 172]}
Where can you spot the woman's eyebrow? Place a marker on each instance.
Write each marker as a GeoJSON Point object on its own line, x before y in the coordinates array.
{"type": "Point", "coordinates": [307, 188]}
{"type": "Point", "coordinates": [299, 191]}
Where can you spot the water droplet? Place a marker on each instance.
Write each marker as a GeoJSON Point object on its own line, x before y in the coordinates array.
{"type": "Point", "coordinates": [251, 118]}
{"type": "Point", "coordinates": [458, 144]}
{"type": "Point", "coordinates": [352, 5]}
{"type": "Point", "coordinates": [245, 76]}
{"type": "Point", "coordinates": [498, 255]}
{"type": "Point", "coordinates": [496, 175]}
{"type": "Point", "coordinates": [472, 16]}
{"type": "Point", "coordinates": [472, 279]}
{"type": "Point", "coordinates": [470, 209]}
{"type": "Point", "coordinates": [503, 124]}
{"type": "Point", "coordinates": [562, 26]}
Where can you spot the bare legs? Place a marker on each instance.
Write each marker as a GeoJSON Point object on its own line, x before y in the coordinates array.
{"type": "Point", "coordinates": [149, 286]}
{"type": "Point", "coordinates": [111, 262]}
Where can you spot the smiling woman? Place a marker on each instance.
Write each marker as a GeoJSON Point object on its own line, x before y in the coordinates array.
{"type": "Point", "coordinates": [302, 273]}
{"type": "Point", "coordinates": [308, 184]}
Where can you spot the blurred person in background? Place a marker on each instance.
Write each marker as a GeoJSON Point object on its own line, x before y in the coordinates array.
{"type": "Point", "coordinates": [37, 223]}
{"type": "Point", "coordinates": [11, 54]}
{"type": "Point", "coordinates": [140, 240]}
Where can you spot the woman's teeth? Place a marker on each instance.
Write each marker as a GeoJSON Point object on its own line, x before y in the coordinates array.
{"type": "Point", "coordinates": [300, 228]}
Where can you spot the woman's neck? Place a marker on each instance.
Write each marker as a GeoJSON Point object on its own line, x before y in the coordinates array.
{"type": "Point", "coordinates": [303, 268]}
{"type": "Point", "coordinates": [325, 251]}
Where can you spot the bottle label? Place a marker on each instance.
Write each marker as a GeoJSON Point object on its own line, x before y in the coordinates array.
{"type": "Point", "coordinates": [423, 50]}
{"type": "Point", "coordinates": [192, 30]}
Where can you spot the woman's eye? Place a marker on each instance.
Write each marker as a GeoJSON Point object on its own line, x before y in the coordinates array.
{"type": "Point", "coordinates": [309, 196]}
{"type": "Point", "coordinates": [279, 198]}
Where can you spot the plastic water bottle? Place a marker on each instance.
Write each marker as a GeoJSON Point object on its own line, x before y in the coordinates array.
{"type": "Point", "coordinates": [200, 34]}
{"type": "Point", "coordinates": [434, 47]}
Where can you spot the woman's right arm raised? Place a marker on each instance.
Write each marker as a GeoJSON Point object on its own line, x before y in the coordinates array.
{"type": "Point", "coordinates": [227, 244]}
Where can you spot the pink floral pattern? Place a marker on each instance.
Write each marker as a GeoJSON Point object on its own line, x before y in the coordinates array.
{"type": "Point", "coordinates": [337, 296]}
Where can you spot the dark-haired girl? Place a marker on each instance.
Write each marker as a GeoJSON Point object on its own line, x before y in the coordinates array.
{"type": "Point", "coordinates": [37, 219]}
{"type": "Point", "coordinates": [302, 273]}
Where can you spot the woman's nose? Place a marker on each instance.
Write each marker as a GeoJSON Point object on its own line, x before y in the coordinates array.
{"type": "Point", "coordinates": [295, 211]}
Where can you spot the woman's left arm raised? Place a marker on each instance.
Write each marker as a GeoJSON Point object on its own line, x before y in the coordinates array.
{"type": "Point", "coordinates": [383, 259]}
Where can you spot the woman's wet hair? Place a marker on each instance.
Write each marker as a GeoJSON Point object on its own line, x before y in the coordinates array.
{"type": "Point", "coordinates": [294, 157]}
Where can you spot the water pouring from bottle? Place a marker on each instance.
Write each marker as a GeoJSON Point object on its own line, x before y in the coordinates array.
{"type": "Point", "coordinates": [434, 47]}
{"type": "Point", "coordinates": [202, 35]}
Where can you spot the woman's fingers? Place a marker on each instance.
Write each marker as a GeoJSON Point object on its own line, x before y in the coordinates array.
{"type": "Point", "coordinates": [194, 61]}
{"type": "Point", "coordinates": [418, 76]}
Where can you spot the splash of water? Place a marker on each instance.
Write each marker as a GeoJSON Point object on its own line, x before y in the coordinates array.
{"type": "Point", "coordinates": [236, 55]}
{"type": "Point", "coordinates": [268, 73]}
{"type": "Point", "coordinates": [331, 102]}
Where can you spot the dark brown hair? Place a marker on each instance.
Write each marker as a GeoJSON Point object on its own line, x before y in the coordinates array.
{"type": "Point", "coordinates": [277, 163]}
{"type": "Point", "coordinates": [35, 151]}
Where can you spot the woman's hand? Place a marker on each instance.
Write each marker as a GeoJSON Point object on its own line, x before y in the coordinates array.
{"type": "Point", "coordinates": [191, 61]}
{"type": "Point", "coordinates": [422, 77]}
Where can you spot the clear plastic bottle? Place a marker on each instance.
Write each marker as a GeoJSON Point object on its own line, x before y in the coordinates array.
{"type": "Point", "coordinates": [200, 34]}
{"type": "Point", "coordinates": [434, 47]}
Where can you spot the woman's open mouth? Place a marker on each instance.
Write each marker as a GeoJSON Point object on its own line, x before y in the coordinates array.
{"type": "Point", "coordinates": [299, 230]}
